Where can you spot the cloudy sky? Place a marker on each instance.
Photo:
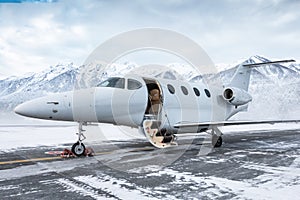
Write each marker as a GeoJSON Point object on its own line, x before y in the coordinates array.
{"type": "Point", "coordinates": [34, 36]}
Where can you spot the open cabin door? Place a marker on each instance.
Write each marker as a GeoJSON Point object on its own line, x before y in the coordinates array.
{"type": "Point", "coordinates": [155, 117]}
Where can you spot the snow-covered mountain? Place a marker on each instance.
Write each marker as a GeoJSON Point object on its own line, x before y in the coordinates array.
{"type": "Point", "coordinates": [60, 78]}
{"type": "Point", "coordinates": [15, 90]}
{"type": "Point", "coordinates": [268, 73]}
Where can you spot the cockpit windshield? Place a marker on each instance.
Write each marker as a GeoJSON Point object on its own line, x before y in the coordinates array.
{"type": "Point", "coordinates": [113, 82]}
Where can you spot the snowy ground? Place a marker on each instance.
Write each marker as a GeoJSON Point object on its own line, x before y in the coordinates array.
{"type": "Point", "coordinates": [255, 162]}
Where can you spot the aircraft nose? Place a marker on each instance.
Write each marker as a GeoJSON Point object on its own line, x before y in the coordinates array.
{"type": "Point", "coordinates": [54, 107]}
{"type": "Point", "coordinates": [27, 109]}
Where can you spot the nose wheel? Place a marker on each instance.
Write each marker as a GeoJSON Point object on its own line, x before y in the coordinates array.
{"type": "Point", "coordinates": [78, 148]}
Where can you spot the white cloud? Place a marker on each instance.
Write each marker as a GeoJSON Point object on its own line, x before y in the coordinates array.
{"type": "Point", "coordinates": [285, 18]}
{"type": "Point", "coordinates": [37, 42]}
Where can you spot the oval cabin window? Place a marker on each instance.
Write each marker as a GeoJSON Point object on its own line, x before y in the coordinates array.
{"type": "Point", "coordinates": [197, 92]}
{"type": "Point", "coordinates": [171, 89]}
{"type": "Point", "coordinates": [184, 90]}
{"type": "Point", "coordinates": [207, 93]}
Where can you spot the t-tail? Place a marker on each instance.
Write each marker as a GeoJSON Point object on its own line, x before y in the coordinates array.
{"type": "Point", "coordinates": [236, 92]}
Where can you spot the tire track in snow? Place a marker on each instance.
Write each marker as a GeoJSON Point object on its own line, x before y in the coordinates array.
{"type": "Point", "coordinates": [119, 188]}
{"type": "Point", "coordinates": [83, 189]}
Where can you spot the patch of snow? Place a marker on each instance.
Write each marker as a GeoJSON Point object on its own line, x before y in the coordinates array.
{"type": "Point", "coordinates": [9, 187]}
{"type": "Point", "coordinates": [31, 136]}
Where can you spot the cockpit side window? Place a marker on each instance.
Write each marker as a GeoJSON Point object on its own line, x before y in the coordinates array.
{"type": "Point", "coordinates": [113, 82]}
{"type": "Point", "coordinates": [133, 84]}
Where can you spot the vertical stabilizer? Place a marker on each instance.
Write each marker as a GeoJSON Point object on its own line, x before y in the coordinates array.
{"type": "Point", "coordinates": [241, 77]}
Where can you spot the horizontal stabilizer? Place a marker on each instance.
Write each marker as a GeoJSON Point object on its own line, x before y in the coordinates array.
{"type": "Point", "coordinates": [268, 63]}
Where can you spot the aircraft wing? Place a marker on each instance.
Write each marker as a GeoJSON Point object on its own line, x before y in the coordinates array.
{"type": "Point", "coordinates": [230, 123]}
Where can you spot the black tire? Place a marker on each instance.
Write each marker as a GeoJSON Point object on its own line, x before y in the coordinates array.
{"type": "Point", "coordinates": [78, 149]}
{"type": "Point", "coordinates": [217, 141]}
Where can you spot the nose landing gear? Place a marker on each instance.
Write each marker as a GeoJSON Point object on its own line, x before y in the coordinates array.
{"type": "Point", "coordinates": [78, 148]}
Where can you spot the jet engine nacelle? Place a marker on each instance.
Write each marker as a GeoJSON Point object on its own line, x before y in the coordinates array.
{"type": "Point", "coordinates": [236, 96]}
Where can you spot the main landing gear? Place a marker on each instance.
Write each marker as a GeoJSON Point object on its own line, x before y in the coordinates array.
{"type": "Point", "coordinates": [78, 148]}
{"type": "Point", "coordinates": [216, 137]}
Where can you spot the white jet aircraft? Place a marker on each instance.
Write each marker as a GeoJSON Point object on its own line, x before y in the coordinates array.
{"type": "Point", "coordinates": [160, 108]}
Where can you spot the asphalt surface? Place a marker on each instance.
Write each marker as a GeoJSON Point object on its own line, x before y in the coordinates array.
{"type": "Point", "coordinates": [249, 165]}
